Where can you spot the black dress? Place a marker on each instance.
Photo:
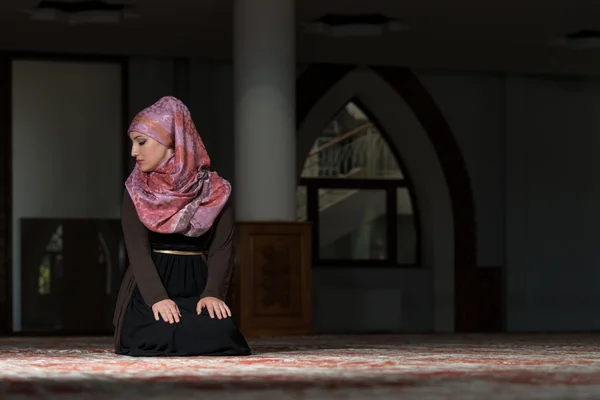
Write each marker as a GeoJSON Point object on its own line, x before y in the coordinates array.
{"type": "Point", "coordinates": [184, 278]}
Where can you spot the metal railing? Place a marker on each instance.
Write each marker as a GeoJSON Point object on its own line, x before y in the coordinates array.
{"type": "Point", "coordinates": [361, 153]}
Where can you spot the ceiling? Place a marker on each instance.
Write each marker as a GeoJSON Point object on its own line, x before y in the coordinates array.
{"type": "Point", "coordinates": [508, 36]}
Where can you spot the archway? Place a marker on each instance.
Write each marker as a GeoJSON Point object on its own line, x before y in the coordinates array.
{"type": "Point", "coordinates": [400, 104]}
{"type": "Point", "coordinates": [356, 192]}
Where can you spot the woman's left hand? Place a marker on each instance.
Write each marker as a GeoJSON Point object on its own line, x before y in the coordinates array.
{"type": "Point", "coordinates": [214, 307]}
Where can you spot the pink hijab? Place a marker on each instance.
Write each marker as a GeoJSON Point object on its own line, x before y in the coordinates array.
{"type": "Point", "coordinates": [181, 195]}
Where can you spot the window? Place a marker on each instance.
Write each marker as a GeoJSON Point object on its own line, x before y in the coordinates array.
{"type": "Point", "coordinates": [356, 195]}
{"type": "Point", "coordinates": [51, 262]}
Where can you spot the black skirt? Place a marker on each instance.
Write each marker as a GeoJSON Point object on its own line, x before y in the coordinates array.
{"type": "Point", "coordinates": [184, 278]}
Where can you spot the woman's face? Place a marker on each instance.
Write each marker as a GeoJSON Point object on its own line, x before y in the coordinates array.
{"type": "Point", "coordinates": [148, 153]}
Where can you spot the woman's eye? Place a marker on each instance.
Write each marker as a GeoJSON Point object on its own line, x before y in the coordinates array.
{"type": "Point", "coordinates": [142, 142]}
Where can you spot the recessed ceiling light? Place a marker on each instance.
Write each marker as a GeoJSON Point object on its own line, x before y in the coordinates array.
{"type": "Point", "coordinates": [580, 40]}
{"type": "Point", "coordinates": [82, 11]}
{"type": "Point", "coordinates": [345, 25]}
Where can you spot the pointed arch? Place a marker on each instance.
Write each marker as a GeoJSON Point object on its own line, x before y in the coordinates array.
{"type": "Point", "coordinates": [468, 314]}
{"type": "Point", "coordinates": [449, 246]}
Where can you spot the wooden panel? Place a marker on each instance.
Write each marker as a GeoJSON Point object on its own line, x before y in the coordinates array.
{"type": "Point", "coordinates": [273, 281]}
{"type": "Point", "coordinates": [277, 275]}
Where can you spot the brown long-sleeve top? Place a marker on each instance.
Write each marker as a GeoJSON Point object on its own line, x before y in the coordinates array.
{"type": "Point", "coordinates": [143, 273]}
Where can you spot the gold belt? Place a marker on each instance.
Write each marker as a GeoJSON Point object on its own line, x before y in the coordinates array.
{"type": "Point", "coordinates": [180, 253]}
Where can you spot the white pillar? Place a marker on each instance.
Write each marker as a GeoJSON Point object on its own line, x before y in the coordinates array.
{"type": "Point", "coordinates": [265, 114]}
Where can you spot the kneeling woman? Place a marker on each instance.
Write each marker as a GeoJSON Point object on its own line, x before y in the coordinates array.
{"type": "Point", "coordinates": [178, 228]}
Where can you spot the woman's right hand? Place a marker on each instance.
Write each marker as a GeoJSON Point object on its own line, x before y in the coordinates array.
{"type": "Point", "coordinates": [168, 310]}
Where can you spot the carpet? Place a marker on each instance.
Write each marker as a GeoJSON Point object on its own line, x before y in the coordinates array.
{"type": "Point", "coordinates": [319, 367]}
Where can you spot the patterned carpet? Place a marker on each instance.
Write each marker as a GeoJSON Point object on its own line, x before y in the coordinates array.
{"type": "Point", "coordinates": [322, 367]}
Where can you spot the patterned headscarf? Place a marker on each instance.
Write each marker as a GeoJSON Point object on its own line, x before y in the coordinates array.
{"type": "Point", "coordinates": [181, 195]}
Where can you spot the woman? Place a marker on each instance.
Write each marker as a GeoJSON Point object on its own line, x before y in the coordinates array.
{"type": "Point", "coordinates": [178, 228]}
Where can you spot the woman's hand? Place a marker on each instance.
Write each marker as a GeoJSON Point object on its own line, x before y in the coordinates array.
{"type": "Point", "coordinates": [168, 310]}
{"type": "Point", "coordinates": [214, 307]}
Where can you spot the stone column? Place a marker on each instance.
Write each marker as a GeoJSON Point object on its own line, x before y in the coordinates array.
{"type": "Point", "coordinates": [265, 122]}
{"type": "Point", "coordinates": [271, 293]}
